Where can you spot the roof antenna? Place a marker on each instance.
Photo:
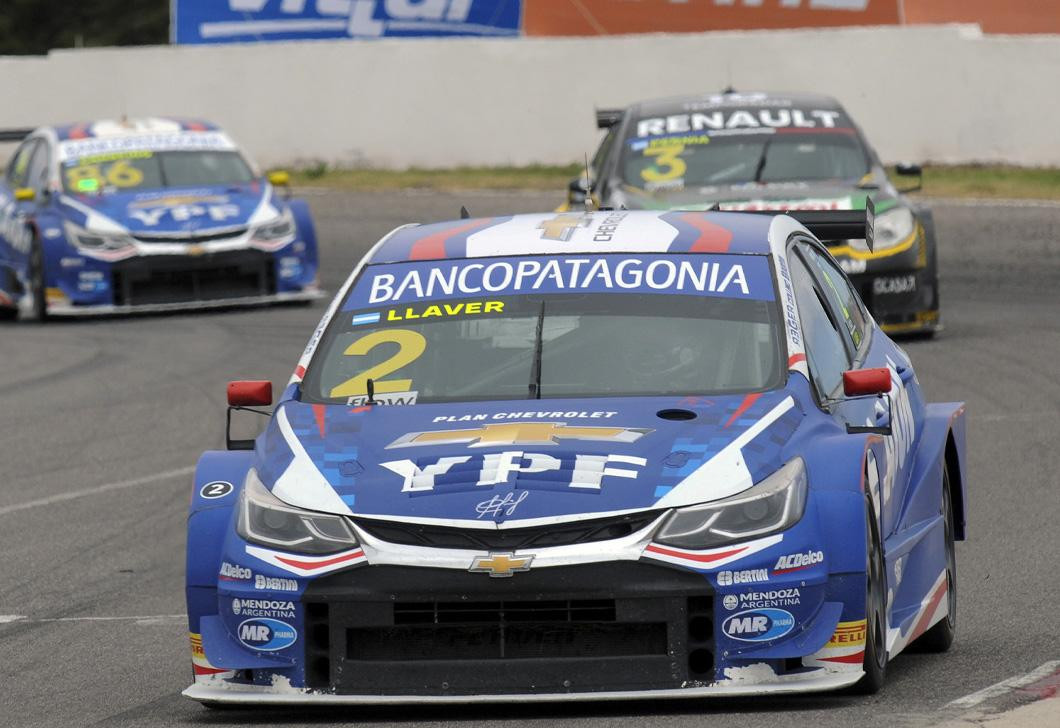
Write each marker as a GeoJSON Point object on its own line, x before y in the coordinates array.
{"type": "Point", "coordinates": [464, 214]}
{"type": "Point", "coordinates": [369, 385]}
{"type": "Point", "coordinates": [588, 187]}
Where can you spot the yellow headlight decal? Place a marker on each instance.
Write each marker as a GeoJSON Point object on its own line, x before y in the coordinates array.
{"type": "Point", "coordinates": [850, 252]}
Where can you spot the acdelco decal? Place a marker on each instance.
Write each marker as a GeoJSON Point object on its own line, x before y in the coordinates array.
{"type": "Point", "coordinates": [795, 562]}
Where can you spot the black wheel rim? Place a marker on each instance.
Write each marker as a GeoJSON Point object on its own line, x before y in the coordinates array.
{"type": "Point", "coordinates": [875, 598]}
{"type": "Point", "coordinates": [951, 557]}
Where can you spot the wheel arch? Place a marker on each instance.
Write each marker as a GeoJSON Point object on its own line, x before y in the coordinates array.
{"type": "Point", "coordinates": [210, 517]}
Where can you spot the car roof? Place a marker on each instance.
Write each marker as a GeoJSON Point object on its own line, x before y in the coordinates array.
{"type": "Point", "coordinates": [678, 104]}
{"type": "Point", "coordinates": [130, 127]}
{"type": "Point", "coordinates": [602, 232]}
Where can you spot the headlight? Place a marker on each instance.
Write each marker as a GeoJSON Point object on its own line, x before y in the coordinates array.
{"type": "Point", "coordinates": [265, 519]}
{"type": "Point", "coordinates": [91, 240]}
{"type": "Point", "coordinates": [278, 229]}
{"type": "Point", "coordinates": [889, 229]}
{"type": "Point", "coordinates": [773, 505]}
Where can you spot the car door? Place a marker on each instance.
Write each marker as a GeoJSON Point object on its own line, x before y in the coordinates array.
{"type": "Point", "coordinates": [855, 327]}
{"type": "Point", "coordinates": [14, 236]}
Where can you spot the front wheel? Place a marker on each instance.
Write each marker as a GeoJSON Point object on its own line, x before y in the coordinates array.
{"type": "Point", "coordinates": [875, 661]}
{"type": "Point", "coordinates": [940, 637]}
{"type": "Point", "coordinates": [37, 283]}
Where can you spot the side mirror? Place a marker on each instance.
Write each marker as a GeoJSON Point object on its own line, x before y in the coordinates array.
{"type": "Point", "coordinates": [577, 191]}
{"type": "Point", "coordinates": [862, 382]}
{"type": "Point", "coordinates": [908, 169]}
{"type": "Point", "coordinates": [256, 393]}
{"type": "Point", "coordinates": [25, 194]}
{"type": "Point", "coordinates": [280, 178]}
{"type": "Point", "coordinates": [243, 396]}
{"type": "Point", "coordinates": [871, 383]}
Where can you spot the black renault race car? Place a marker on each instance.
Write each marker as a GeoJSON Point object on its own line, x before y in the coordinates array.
{"type": "Point", "coordinates": [764, 151]}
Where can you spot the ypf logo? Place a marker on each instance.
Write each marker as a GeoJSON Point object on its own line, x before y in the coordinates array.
{"type": "Point", "coordinates": [267, 634]}
{"type": "Point", "coordinates": [758, 625]}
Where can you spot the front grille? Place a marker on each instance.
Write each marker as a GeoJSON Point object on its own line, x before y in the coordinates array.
{"type": "Point", "coordinates": [506, 642]}
{"type": "Point", "coordinates": [567, 610]}
{"type": "Point", "coordinates": [412, 534]}
{"type": "Point", "coordinates": [193, 237]}
{"type": "Point", "coordinates": [186, 279]}
{"type": "Point", "coordinates": [407, 631]}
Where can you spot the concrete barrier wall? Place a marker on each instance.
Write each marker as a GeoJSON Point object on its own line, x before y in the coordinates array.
{"type": "Point", "coordinates": [945, 94]}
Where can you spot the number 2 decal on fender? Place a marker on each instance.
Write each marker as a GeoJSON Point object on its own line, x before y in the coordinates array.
{"type": "Point", "coordinates": [411, 344]}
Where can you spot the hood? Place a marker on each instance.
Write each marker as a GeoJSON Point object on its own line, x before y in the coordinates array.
{"type": "Point", "coordinates": [175, 211]}
{"type": "Point", "coordinates": [830, 195]}
{"type": "Point", "coordinates": [519, 463]}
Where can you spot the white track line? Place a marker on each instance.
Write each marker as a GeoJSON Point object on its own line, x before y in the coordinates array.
{"type": "Point", "coordinates": [142, 619]}
{"type": "Point", "coordinates": [120, 485]}
{"type": "Point", "coordinates": [1005, 686]}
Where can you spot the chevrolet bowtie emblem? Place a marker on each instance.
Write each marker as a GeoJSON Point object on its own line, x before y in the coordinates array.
{"type": "Point", "coordinates": [519, 433]}
{"type": "Point", "coordinates": [501, 565]}
{"type": "Point", "coordinates": [562, 227]}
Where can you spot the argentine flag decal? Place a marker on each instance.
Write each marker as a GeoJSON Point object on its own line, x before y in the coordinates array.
{"type": "Point", "coordinates": [364, 318]}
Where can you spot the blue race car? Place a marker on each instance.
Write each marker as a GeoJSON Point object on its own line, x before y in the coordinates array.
{"type": "Point", "coordinates": [146, 215]}
{"type": "Point", "coordinates": [581, 456]}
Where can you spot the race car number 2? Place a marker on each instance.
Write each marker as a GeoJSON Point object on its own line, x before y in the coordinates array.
{"type": "Point", "coordinates": [411, 345]}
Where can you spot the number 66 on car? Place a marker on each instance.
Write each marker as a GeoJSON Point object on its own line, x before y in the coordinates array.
{"type": "Point", "coordinates": [579, 457]}
{"type": "Point", "coordinates": [146, 215]}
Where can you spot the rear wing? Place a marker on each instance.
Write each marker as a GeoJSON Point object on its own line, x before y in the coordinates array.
{"type": "Point", "coordinates": [607, 118]}
{"type": "Point", "coordinates": [14, 135]}
{"type": "Point", "coordinates": [833, 225]}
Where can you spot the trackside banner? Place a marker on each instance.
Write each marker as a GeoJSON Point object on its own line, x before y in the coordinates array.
{"type": "Point", "coordinates": [728, 276]}
{"type": "Point", "coordinates": [251, 21]}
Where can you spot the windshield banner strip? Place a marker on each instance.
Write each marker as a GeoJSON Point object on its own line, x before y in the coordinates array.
{"type": "Point", "coordinates": [176, 141]}
{"type": "Point", "coordinates": [727, 276]}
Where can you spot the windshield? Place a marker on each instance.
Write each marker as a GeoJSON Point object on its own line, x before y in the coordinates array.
{"type": "Point", "coordinates": [150, 170]}
{"type": "Point", "coordinates": [702, 160]}
{"type": "Point", "coordinates": [552, 342]}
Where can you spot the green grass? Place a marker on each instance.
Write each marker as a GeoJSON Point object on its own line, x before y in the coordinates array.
{"type": "Point", "coordinates": [534, 177]}
{"type": "Point", "coordinates": [991, 181]}
{"type": "Point", "coordinates": [939, 180]}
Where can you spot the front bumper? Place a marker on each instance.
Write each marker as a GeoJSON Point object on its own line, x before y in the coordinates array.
{"type": "Point", "coordinates": [156, 283]}
{"type": "Point", "coordinates": [280, 694]}
{"type": "Point", "coordinates": [645, 628]}
{"type": "Point", "coordinates": [67, 309]}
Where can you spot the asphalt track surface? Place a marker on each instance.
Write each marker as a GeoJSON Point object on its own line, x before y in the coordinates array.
{"type": "Point", "coordinates": [121, 408]}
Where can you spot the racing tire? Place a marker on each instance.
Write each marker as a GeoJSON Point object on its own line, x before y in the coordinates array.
{"type": "Point", "coordinates": [8, 314]}
{"type": "Point", "coordinates": [37, 285]}
{"type": "Point", "coordinates": [875, 661]}
{"type": "Point", "coordinates": [940, 637]}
